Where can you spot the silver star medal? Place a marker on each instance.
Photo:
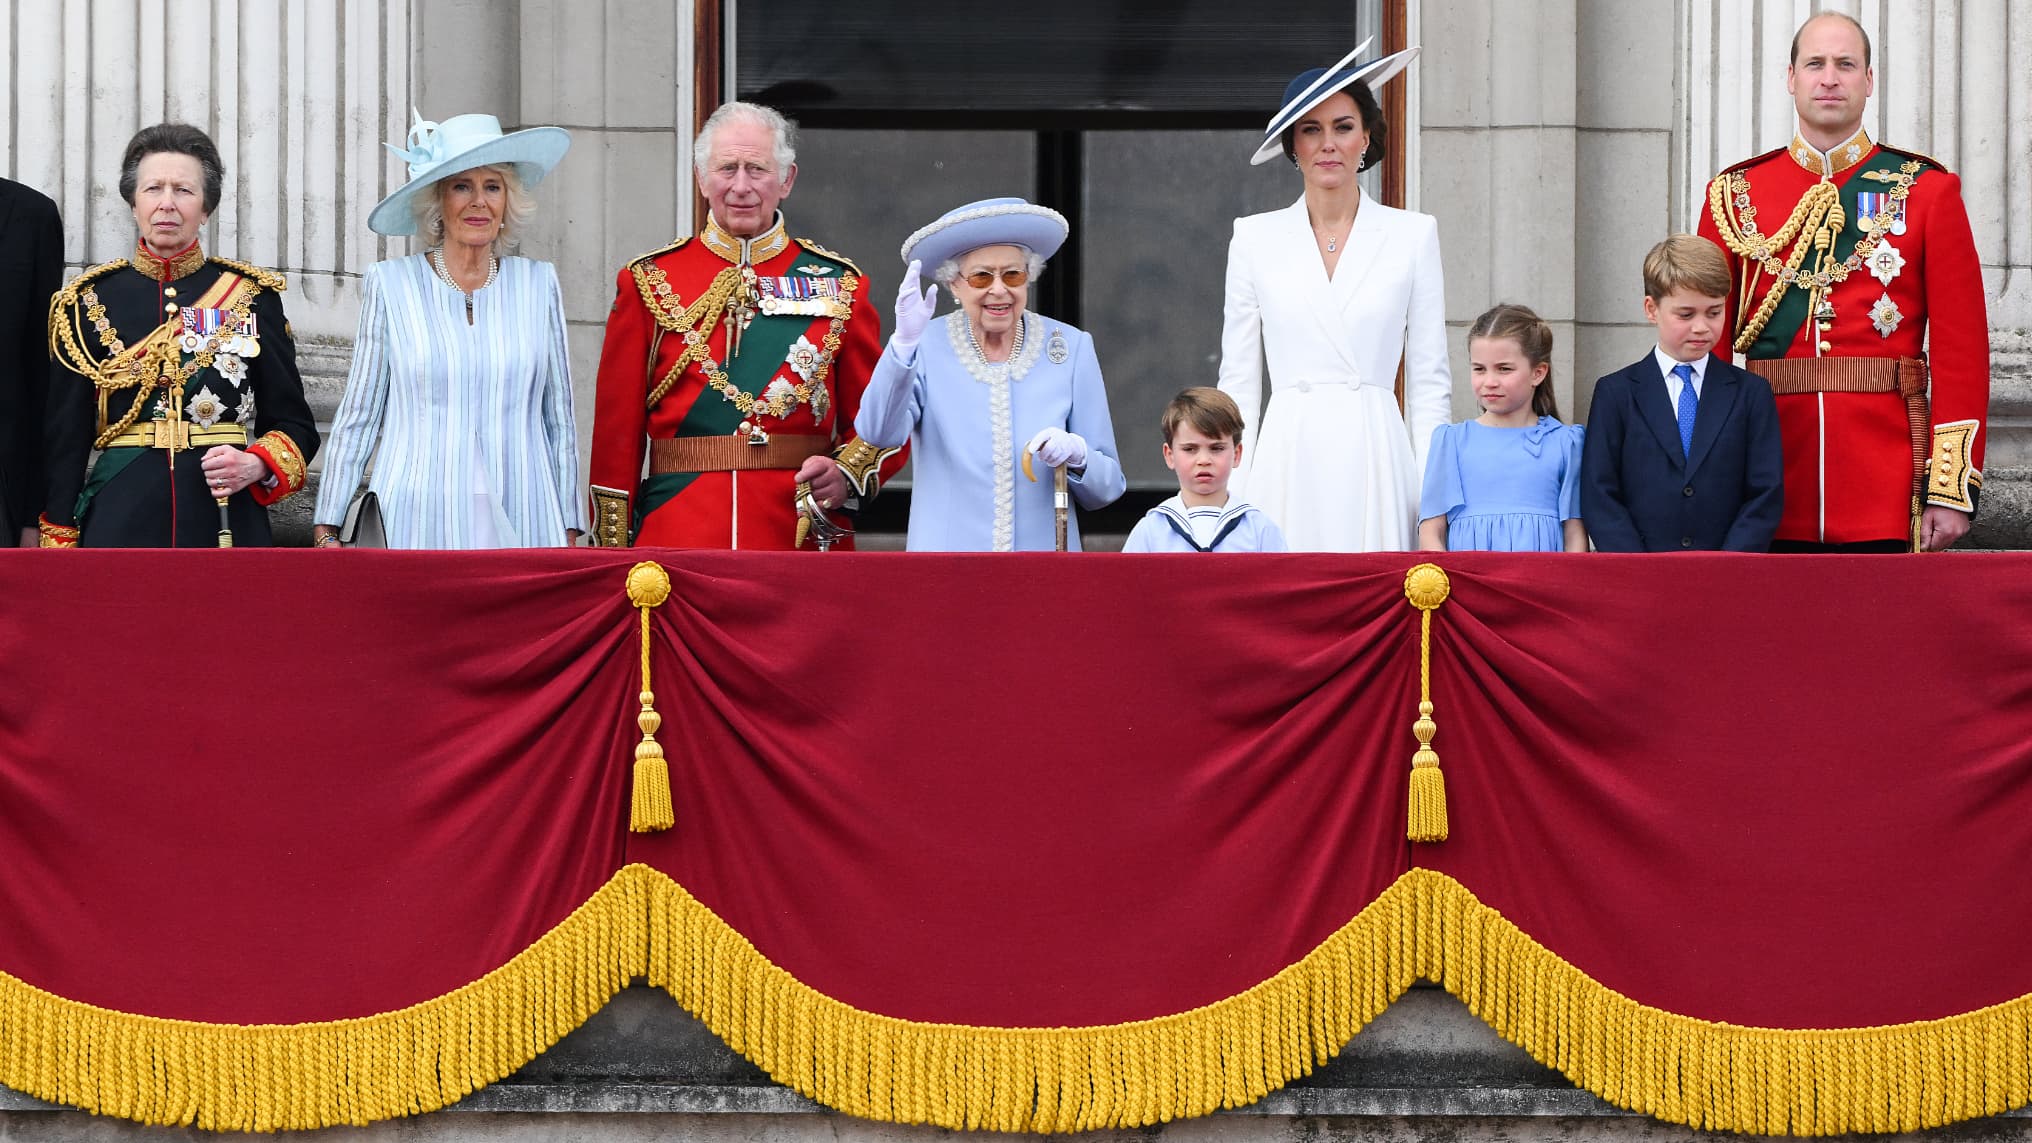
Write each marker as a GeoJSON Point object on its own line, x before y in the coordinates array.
{"type": "Point", "coordinates": [205, 408]}
{"type": "Point", "coordinates": [1886, 261]}
{"type": "Point", "coordinates": [803, 358]}
{"type": "Point", "coordinates": [245, 413]}
{"type": "Point", "coordinates": [1886, 316]}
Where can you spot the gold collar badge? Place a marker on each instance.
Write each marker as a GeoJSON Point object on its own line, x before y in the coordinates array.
{"type": "Point", "coordinates": [1841, 158]}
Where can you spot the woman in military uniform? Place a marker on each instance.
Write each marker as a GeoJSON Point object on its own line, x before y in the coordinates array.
{"type": "Point", "coordinates": [179, 368]}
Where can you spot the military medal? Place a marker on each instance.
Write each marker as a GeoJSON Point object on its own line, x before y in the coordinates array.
{"type": "Point", "coordinates": [1886, 316]}
{"type": "Point", "coordinates": [1885, 262]}
{"type": "Point", "coordinates": [803, 359]}
{"type": "Point", "coordinates": [205, 408]}
{"type": "Point", "coordinates": [811, 297]}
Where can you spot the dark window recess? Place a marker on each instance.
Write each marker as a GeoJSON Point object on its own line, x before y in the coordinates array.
{"type": "Point", "coordinates": [829, 63]}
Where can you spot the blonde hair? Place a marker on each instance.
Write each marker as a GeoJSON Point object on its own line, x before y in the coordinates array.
{"type": "Point", "coordinates": [1522, 325]}
{"type": "Point", "coordinates": [1686, 262]}
{"type": "Point", "coordinates": [519, 207]}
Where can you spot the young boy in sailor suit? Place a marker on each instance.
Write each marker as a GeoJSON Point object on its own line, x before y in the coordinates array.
{"type": "Point", "coordinates": [1202, 444]}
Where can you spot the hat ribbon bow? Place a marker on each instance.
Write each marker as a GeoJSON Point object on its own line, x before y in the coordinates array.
{"type": "Point", "coordinates": [426, 147]}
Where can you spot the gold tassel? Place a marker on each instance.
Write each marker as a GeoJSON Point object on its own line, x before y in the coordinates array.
{"type": "Point", "coordinates": [1426, 586]}
{"type": "Point", "coordinates": [650, 808]}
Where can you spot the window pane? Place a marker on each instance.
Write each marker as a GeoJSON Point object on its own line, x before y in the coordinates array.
{"type": "Point", "coordinates": [1160, 208]}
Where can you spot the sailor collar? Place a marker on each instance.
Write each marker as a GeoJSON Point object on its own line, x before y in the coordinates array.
{"type": "Point", "coordinates": [746, 251]}
{"type": "Point", "coordinates": [1834, 162]}
{"type": "Point", "coordinates": [155, 266]}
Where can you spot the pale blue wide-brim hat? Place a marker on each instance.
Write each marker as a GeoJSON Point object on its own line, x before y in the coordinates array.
{"type": "Point", "coordinates": [1310, 89]}
{"type": "Point", "coordinates": [462, 143]}
{"type": "Point", "coordinates": [989, 222]}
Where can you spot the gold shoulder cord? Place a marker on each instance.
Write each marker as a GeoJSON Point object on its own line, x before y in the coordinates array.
{"type": "Point", "coordinates": [1818, 213]}
{"type": "Point", "coordinates": [152, 362]}
{"type": "Point", "coordinates": [694, 323]}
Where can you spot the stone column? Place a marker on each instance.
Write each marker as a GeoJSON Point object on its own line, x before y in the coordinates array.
{"type": "Point", "coordinates": [616, 74]}
{"type": "Point", "coordinates": [1496, 154]}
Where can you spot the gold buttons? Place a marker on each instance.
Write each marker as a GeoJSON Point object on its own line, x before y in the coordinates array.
{"type": "Point", "coordinates": [169, 291]}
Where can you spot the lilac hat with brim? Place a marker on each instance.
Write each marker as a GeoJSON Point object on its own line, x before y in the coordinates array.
{"type": "Point", "coordinates": [462, 143]}
{"type": "Point", "coordinates": [1312, 88]}
{"type": "Point", "coordinates": [989, 222]}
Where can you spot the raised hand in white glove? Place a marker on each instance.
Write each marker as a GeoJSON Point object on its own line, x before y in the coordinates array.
{"type": "Point", "coordinates": [913, 311]}
{"type": "Point", "coordinates": [1056, 446]}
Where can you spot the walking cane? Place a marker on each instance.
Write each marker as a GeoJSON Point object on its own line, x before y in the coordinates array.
{"type": "Point", "coordinates": [1061, 499]}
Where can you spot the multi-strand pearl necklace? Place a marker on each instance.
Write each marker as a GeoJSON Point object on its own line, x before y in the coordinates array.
{"type": "Point", "coordinates": [437, 264]}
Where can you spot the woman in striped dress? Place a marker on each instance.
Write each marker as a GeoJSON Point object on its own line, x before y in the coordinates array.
{"type": "Point", "coordinates": [460, 390]}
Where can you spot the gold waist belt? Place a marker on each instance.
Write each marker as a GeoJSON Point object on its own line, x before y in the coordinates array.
{"type": "Point", "coordinates": [178, 435]}
{"type": "Point", "coordinates": [1789, 375]}
{"type": "Point", "coordinates": [733, 453]}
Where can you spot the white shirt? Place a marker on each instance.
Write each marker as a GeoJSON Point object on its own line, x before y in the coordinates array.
{"type": "Point", "coordinates": [1672, 382]}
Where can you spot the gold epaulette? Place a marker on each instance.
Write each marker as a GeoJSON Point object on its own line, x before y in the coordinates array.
{"type": "Point", "coordinates": [268, 279]}
{"type": "Point", "coordinates": [835, 255]}
{"type": "Point", "coordinates": [658, 253]}
{"type": "Point", "coordinates": [1929, 160]}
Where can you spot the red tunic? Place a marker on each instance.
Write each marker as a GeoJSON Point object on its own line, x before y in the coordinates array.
{"type": "Point", "coordinates": [805, 356]}
{"type": "Point", "coordinates": [1849, 456]}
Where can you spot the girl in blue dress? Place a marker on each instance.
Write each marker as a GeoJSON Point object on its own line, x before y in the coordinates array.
{"type": "Point", "coordinates": [1509, 480]}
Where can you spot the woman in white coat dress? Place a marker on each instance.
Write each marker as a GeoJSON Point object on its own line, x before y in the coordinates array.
{"type": "Point", "coordinates": [1335, 290]}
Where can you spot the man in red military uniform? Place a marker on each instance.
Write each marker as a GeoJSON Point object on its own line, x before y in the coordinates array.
{"type": "Point", "coordinates": [735, 363]}
{"type": "Point", "coordinates": [1856, 277]}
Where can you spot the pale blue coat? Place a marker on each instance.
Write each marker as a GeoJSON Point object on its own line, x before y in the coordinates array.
{"type": "Point", "coordinates": [967, 423]}
{"type": "Point", "coordinates": [470, 427]}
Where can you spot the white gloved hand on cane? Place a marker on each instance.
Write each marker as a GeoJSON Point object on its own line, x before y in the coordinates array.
{"type": "Point", "coordinates": [1057, 447]}
{"type": "Point", "coordinates": [913, 312]}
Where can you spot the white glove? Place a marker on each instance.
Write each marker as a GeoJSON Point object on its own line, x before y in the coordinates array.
{"type": "Point", "coordinates": [913, 312]}
{"type": "Point", "coordinates": [1057, 447]}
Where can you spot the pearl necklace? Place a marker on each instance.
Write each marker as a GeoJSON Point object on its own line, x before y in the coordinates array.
{"type": "Point", "coordinates": [437, 264]}
{"type": "Point", "coordinates": [981, 353]}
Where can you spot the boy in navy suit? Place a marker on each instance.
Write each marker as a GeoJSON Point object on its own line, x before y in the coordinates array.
{"type": "Point", "coordinates": [1682, 447]}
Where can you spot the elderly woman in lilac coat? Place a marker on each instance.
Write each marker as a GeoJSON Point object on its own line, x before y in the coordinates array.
{"type": "Point", "coordinates": [976, 390]}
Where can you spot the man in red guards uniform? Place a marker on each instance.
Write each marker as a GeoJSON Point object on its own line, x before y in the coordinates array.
{"type": "Point", "coordinates": [1856, 282]}
{"type": "Point", "coordinates": [735, 361]}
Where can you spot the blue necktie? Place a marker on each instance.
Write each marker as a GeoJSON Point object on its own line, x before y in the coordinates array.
{"type": "Point", "coordinates": [1688, 402]}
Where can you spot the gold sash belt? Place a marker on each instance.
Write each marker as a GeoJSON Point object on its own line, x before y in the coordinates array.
{"type": "Point", "coordinates": [1905, 376]}
{"type": "Point", "coordinates": [178, 435]}
{"type": "Point", "coordinates": [733, 453]}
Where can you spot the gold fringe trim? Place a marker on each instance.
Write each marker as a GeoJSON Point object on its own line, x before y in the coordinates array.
{"type": "Point", "coordinates": [1231, 1053]}
{"type": "Point", "coordinates": [277, 1077]}
{"type": "Point", "coordinates": [1704, 1074]}
{"type": "Point", "coordinates": [1710, 1075]}
{"type": "Point", "coordinates": [1227, 1054]}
